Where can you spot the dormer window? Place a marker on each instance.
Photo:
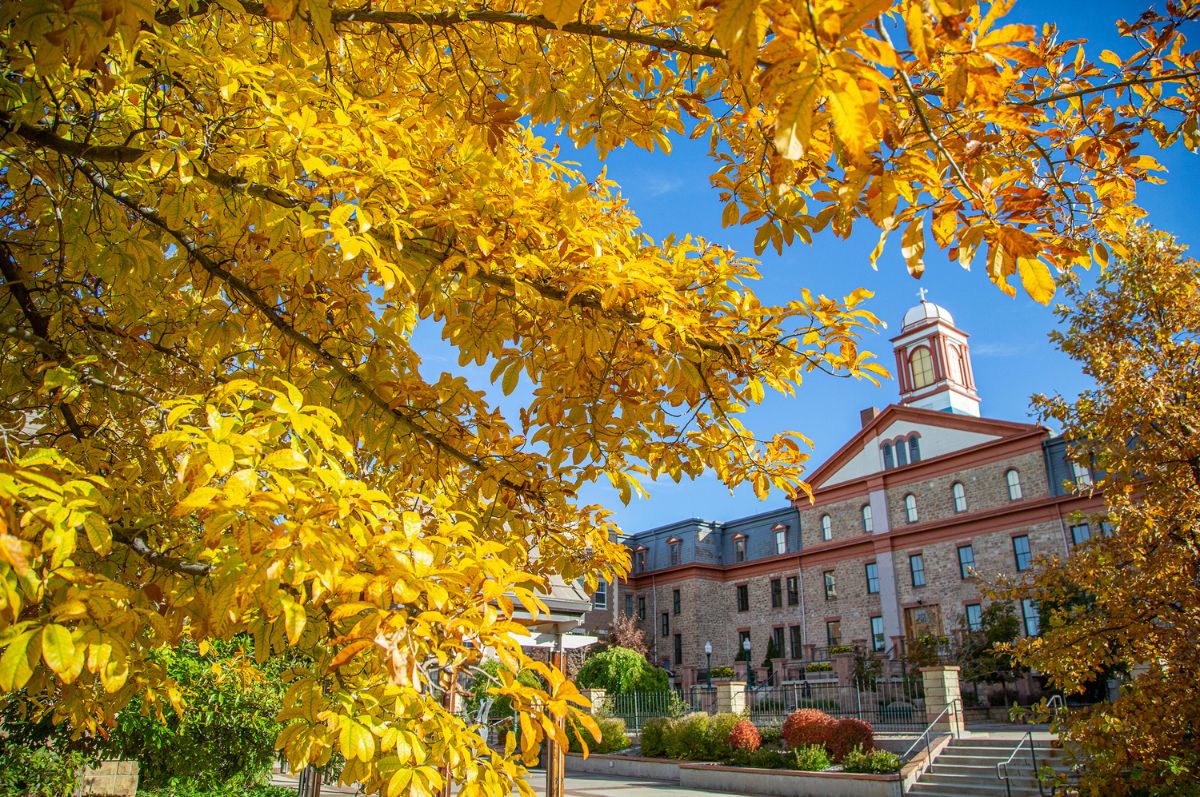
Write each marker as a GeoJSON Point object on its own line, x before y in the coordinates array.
{"type": "Point", "coordinates": [780, 538]}
{"type": "Point", "coordinates": [1082, 474]}
{"type": "Point", "coordinates": [639, 559]}
{"type": "Point", "coordinates": [739, 548]}
{"type": "Point", "coordinates": [675, 546]}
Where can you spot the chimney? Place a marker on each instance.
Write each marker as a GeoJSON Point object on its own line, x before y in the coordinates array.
{"type": "Point", "coordinates": [868, 415]}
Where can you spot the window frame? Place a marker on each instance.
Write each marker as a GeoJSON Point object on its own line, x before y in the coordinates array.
{"type": "Point", "coordinates": [927, 370]}
{"type": "Point", "coordinates": [958, 493]}
{"type": "Point", "coordinates": [739, 549]}
{"type": "Point", "coordinates": [1012, 480]}
{"type": "Point", "coordinates": [911, 515]}
{"type": "Point", "coordinates": [963, 565]}
{"type": "Point", "coordinates": [601, 593]}
{"type": "Point", "coordinates": [665, 619]}
{"type": "Point", "coordinates": [1082, 474]}
{"type": "Point", "coordinates": [676, 602]}
{"type": "Point", "coordinates": [829, 579]}
{"type": "Point", "coordinates": [795, 642]}
{"type": "Point", "coordinates": [743, 597]}
{"type": "Point", "coordinates": [1019, 555]}
{"type": "Point", "coordinates": [1087, 531]}
{"type": "Point", "coordinates": [793, 591]}
{"type": "Point", "coordinates": [872, 577]}
{"type": "Point", "coordinates": [776, 593]}
{"type": "Point", "coordinates": [889, 460]}
{"type": "Point", "coordinates": [826, 528]}
{"type": "Point", "coordinates": [878, 638]}
{"type": "Point", "coordinates": [676, 552]}
{"type": "Point", "coordinates": [777, 636]}
{"type": "Point", "coordinates": [914, 449]}
{"type": "Point", "coordinates": [1031, 616]}
{"type": "Point", "coordinates": [833, 639]}
{"type": "Point", "coordinates": [642, 608]}
{"type": "Point", "coordinates": [916, 565]}
{"type": "Point", "coordinates": [976, 624]}
{"type": "Point", "coordinates": [781, 546]}
{"type": "Point", "coordinates": [678, 650]}
{"type": "Point", "coordinates": [868, 521]}
{"type": "Point", "coordinates": [629, 605]}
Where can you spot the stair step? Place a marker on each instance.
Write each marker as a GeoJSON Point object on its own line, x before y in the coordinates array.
{"type": "Point", "coordinates": [923, 789]}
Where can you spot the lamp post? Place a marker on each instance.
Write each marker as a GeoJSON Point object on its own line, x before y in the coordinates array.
{"type": "Point", "coordinates": [749, 662]}
{"type": "Point", "coordinates": [708, 662]}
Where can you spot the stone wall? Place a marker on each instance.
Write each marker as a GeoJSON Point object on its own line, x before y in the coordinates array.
{"type": "Point", "coordinates": [111, 779]}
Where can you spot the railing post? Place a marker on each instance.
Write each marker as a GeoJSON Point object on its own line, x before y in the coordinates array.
{"type": "Point", "coordinates": [636, 726]}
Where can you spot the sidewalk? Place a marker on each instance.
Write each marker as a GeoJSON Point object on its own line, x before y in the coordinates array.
{"type": "Point", "coordinates": [577, 786]}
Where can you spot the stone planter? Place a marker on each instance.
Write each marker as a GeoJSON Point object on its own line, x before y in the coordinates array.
{"type": "Point", "coordinates": [110, 778]}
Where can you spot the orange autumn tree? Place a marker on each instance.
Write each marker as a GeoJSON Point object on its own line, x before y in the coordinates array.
{"type": "Point", "coordinates": [1128, 601]}
{"type": "Point", "coordinates": [223, 223]}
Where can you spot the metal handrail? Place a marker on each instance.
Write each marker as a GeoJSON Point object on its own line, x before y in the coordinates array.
{"type": "Point", "coordinates": [952, 708]}
{"type": "Point", "coordinates": [1003, 765]}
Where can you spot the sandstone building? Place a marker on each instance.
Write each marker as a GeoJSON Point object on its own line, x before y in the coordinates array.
{"type": "Point", "coordinates": [907, 516]}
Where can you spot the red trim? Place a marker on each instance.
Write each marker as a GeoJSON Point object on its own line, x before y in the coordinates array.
{"type": "Point", "coordinates": [740, 536]}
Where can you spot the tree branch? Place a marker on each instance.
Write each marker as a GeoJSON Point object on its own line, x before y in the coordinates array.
{"type": "Point", "coordinates": [138, 545]}
{"type": "Point", "coordinates": [1133, 81]}
{"type": "Point", "coordinates": [247, 293]}
{"type": "Point", "coordinates": [450, 19]}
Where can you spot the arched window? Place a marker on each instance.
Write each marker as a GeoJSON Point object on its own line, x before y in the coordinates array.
{"type": "Point", "coordinates": [920, 367]}
{"type": "Point", "coordinates": [901, 453]}
{"type": "Point", "coordinates": [914, 448]}
{"type": "Point", "coordinates": [910, 508]}
{"type": "Point", "coordinates": [888, 461]}
{"type": "Point", "coordinates": [1013, 479]}
{"type": "Point", "coordinates": [826, 528]}
{"type": "Point", "coordinates": [960, 497]}
{"type": "Point", "coordinates": [868, 526]}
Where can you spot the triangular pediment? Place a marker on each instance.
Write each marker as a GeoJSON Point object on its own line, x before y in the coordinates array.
{"type": "Point", "coordinates": [939, 434]}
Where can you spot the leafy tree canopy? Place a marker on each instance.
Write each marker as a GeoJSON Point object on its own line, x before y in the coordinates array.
{"type": "Point", "coordinates": [1129, 599]}
{"type": "Point", "coordinates": [222, 224]}
{"type": "Point", "coordinates": [619, 670]}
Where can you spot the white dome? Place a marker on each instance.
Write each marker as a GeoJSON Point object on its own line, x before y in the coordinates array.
{"type": "Point", "coordinates": [926, 311]}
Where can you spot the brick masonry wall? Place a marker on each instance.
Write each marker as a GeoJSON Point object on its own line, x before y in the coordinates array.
{"type": "Point", "coordinates": [845, 518]}
{"type": "Point", "coordinates": [984, 486]}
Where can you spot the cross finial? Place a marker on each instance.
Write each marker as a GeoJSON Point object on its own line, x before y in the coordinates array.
{"type": "Point", "coordinates": [921, 293]}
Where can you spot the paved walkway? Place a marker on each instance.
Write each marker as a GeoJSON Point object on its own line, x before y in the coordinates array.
{"type": "Point", "coordinates": [577, 786]}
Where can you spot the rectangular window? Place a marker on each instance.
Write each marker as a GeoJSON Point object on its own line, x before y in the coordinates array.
{"type": "Point", "coordinates": [1033, 618]}
{"type": "Point", "coordinates": [1021, 552]}
{"type": "Point", "coordinates": [797, 650]}
{"type": "Point", "coordinates": [833, 633]}
{"type": "Point", "coordinates": [629, 606]}
{"type": "Point", "coordinates": [878, 640]}
{"type": "Point", "coordinates": [974, 617]}
{"type": "Point", "coordinates": [872, 578]}
{"type": "Point", "coordinates": [676, 602]}
{"type": "Point", "coordinates": [776, 593]}
{"type": "Point", "coordinates": [676, 552]}
{"type": "Point", "coordinates": [1082, 474]}
{"type": "Point", "coordinates": [600, 596]}
{"type": "Point", "coordinates": [641, 607]}
{"type": "Point", "coordinates": [678, 650]}
{"type": "Point", "coordinates": [916, 564]}
{"type": "Point", "coordinates": [1080, 533]}
{"type": "Point", "coordinates": [743, 597]}
{"type": "Point", "coordinates": [777, 638]}
{"type": "Point", "coordinates": [666, 624]}
{"type": "Point", "coordinates": [739, 550]}
{"type": "Point", "coordinates": [830, 585]}
{"type": "Point", "coordinates": [793, 590]}
{"type": "Point", "coordinates": [639, 561]}
{"type": "Point", "coordinates": [781, 541]}
{"type": "Point", "coordinates": [966, 561]}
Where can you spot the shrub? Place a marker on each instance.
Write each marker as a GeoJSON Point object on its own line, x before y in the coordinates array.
{"type": "Point", "coordinates": [39, 772]}
{"type": "Point", "coordinates": [819, 666]}
{"type": "Point", "coordinates": [744, 737]}
{"type": "Point", "coordinates": [836, 649]}
{"type": "Point", "coordinates": [722, 672]}
{"type": "Point", "coordinates": [849, 734]}
{"type": "Point", "coordinates": [771, 733]}
{"type": "Point", "coordinates": [810, 758]}
{"type": "Point", "coordinates": [654, 737]}
{"type": "Point", "coordinates": [766, 759]}
{"type": "Point", "coordinates": [808, 726]}
{"type": "Point", "coordinates": [717, 738]}
{"type": "Point", "coordinates": [621, 670]}
{"type": "Point", "coordinates": [612, 736]}
{"type": "Point", "coordinates": [687, 738]}
{"type": "Point", "coordinates": [872, 762]}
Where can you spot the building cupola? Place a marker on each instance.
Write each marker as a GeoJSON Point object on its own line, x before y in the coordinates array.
{"type": "Point", "coordinates": [933, 361]}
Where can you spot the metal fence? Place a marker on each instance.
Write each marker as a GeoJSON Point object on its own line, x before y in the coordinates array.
{"type": "Point", "coordinates": [637, 707]}
{"type": "Point", "coordinates": [889, 706]}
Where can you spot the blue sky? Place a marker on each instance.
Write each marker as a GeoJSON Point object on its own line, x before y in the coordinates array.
{"type": "Point", "coordinates": [1011, 355]}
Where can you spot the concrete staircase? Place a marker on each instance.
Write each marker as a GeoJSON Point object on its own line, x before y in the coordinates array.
{"type": "Point", "coordinates": [967, 768]}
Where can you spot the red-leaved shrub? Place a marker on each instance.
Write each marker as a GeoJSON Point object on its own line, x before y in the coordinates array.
{"type": "Point", "coordinates": [745, 737]}
{"type": "Point", "coordinates": [848, 734]}
{"type": "Point", "coordinates": [807, 726]}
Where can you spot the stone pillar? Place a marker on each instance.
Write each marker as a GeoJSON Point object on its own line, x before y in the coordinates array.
{"type": "Point", "coordinates": [843, 668]}
{"type": "Point", "coordinates": [596, 696]}
{"type": "Point", "coordinates": [731, 697]}
{"type": "Point", "coordinates": [942, 690]}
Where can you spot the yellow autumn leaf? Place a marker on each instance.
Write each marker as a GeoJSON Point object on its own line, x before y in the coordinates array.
{"type": "Point", "coordinates": [561, 12]}
{"type": "Point", "coordinates": [197, 499]}
{"type": "Point", "coordinates": [58, 651]}
{"type": "Point", "coordinates": [1036, 279]}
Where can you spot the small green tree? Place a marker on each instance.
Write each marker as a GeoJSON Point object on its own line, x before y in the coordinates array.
{"type": "Point", "coordinates": [773, 652]}
{"type": "Point", "coordinates": [983, 655]}
{"type": "Point", "coordinates": [621, 670]}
